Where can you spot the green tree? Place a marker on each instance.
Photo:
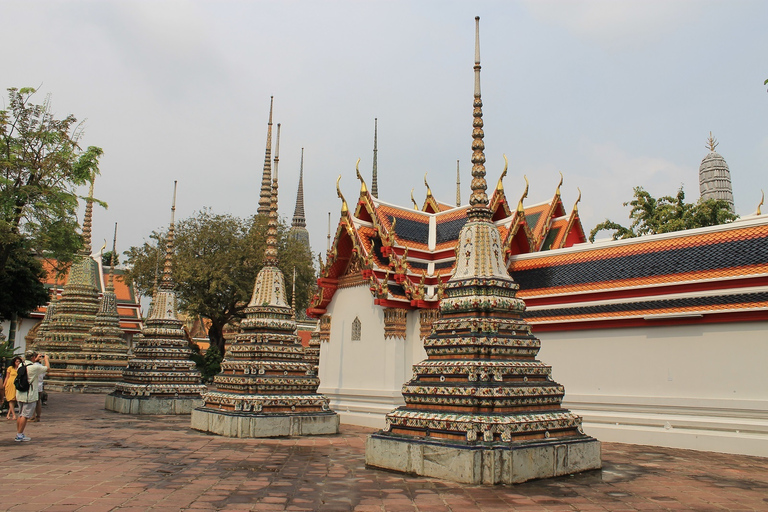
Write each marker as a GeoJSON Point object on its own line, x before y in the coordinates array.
{"type": "Point", "coordinates": [215, 265]}
{"type": "Point", "coordinates": [650, 215]}
{"type": "Point", "coordinates": [41, 166]}
{"type": "Point", "coordinates": [106, 259]}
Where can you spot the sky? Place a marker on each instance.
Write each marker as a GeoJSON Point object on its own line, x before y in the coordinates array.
{"type": "Point", "coordinates": [613, 94]}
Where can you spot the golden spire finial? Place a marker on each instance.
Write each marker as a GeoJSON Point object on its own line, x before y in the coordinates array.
{"type": "Point", "coordinates": [166, 281]}
{"type": "Point", "coordinates": [458, 185]}
{"type": "Point", "coordinates": [270, 252]}
{"type": "Point", "coordinates": [88, 221]}
{"type": "Point", "coordinates": [500, 185]}
{"type": "Point", "coordinates": [762, 200]}
{"type": "Point", "coordinates": [520, 208]}
{"type": "Point", "coordinates": [374, 177]}
{"type": "Point", "coordinates": [557, 192]}
{"type": "Point", "coordinates": [344, 207]}
{"type": "Point", "coordinates": [711, 143]}
{"type": "Point", "coordinates": [111, 280]}
{"type": "Point", "coordinates": [363, 188]}
{"type": "Point", "coordinates": [478, 201]}
{"type": "Point", "coordinates": [266, 192]}
{"type": "Point", "coordinates": [415, 205]}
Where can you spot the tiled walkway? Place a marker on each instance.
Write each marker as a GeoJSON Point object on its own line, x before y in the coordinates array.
{"type": "Point", "coordinates": [84, 458]}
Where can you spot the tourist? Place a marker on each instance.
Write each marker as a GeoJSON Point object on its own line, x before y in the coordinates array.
{"type": "Point", "coordinates": [10, 388]}
{"type": "Point", "coordinates": [41, 398]}
{"type": "Point", "coordinates": [28, 399]}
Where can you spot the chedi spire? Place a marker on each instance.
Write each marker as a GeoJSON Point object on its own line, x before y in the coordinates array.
{"type": "Point", "coordinates": [481, 409]}
{"type": "Point", "coordinates": [299, 223]}
{"type": "Point", "coordinates": [160, 378]}
{"type": "Point", "coordinates": [266, 177]}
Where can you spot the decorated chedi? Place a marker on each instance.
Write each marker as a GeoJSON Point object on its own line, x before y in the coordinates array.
{"type": "Point", "coordinates": [72, 317]}
{"type": "Point", "coordinates": [481, 409]}
{"type": "Point", "coordinates": [160, 378]}
{"type": "Point", "coordinates": [266, 387]}
{"type": "Point", "coordinates": [105, 350]}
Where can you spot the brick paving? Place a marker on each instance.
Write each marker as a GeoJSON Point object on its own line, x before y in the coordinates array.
{"type": "Point", "coordinates": [84, 458]}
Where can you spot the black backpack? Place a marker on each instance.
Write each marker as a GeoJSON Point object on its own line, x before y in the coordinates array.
{"type": "Point", "coordinates": [22, 379]}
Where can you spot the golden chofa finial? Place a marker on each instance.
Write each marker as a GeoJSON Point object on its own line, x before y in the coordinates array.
{"type": "Point", "coordinates": [762, 200]}
{"type": "Point", "coordinates": [499, 185]}
{"type": "Point", "coordinates": [363, 188]}
{"type": "Point", "coordinates": [415, 205]}
{"type": "Point", "coordinates": [576, 204]}
{"type": "Point", "coordinates": [520, 208]}
{"type": "Point", "coordinates": [711, 143]}
{"type": "Point", "coordinates": [557, 192]}
{"type": "Point", "coordinates": [429, 190]}
{"type": "Point", "coordinates": [344, 207]}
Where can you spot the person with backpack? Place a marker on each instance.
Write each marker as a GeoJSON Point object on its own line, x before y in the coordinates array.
{"type": "Point", "coordinates": [10, 389]}
{"type": "Point", "coordinates": [27, 376]}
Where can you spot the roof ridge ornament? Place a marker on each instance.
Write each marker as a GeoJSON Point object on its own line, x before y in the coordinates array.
{"type": "Point", "coordinates": [429, 190]}
{"type": "Point", "coordinates": [363, 188]}
{"type": "Point", "coordinates": [415, 204]}
{"type": "Point", "coordinates": [344, 207]}
{"type": "Point", "coordinates": [762, 200]}
{"type": "Point", "coordinates": [557, 192]}
{"type": "Point", "coordinates": [500, 185]}
{"type": "Point", "coordinates": [578, 199]}
{"type": "Point", "coordinates": [520, 208]}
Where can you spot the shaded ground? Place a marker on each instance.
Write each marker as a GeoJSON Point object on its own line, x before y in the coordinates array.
{"type": "Point", "coordinates": [85, 458]}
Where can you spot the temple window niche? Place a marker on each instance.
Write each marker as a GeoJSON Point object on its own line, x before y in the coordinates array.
{"type": "Point", "coordinates": [356, 328]}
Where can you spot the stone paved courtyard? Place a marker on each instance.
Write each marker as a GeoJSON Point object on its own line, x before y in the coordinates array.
{"type": "Point", "coordinates": [85, 458]}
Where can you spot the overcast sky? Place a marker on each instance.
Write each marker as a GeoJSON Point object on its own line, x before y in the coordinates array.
{"type": "Point", "coordinates": [612, 94]}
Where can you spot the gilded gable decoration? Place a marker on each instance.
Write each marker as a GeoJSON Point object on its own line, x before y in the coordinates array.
{"type": "Point", "coordinates": [395, 322]}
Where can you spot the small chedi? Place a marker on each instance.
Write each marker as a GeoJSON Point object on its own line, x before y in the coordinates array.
{"type": "Point", "coordinates": [70, 322]}
{"type": "Point", "coordinates": [481, 409]}
{"type": "Point", "coordinates": [105, 351]}
{"type": "Point", "coordinates": [160, 378]}
{"type": "Point", "coordinates": [266, 387]}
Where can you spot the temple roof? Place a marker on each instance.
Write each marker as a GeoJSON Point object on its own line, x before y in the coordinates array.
{"type": "Point", "coordinates": [406, 254]}
{"type": "Point", "coordinates": [712, 274]}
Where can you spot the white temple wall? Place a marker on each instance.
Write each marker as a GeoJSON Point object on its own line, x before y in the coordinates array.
{"type": "Point", "coordinates": [702, 387]}
{"type": "Point", "coordinates": [363, 379]}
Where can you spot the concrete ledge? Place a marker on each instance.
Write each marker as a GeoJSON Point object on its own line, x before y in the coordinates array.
{"type": "Point", "coordinates": [230, 424]}
{"type": "Point", "coordinates": [483, 464]}
{"type": "Point", "coordinates": [151, 406]}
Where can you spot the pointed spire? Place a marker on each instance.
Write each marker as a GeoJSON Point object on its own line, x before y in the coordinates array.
{"type": "Point", "coordinates": [293, 296]}
{"type": "Point", "coordinates": [166, 281]}
{"type": "Point", "coordinates": [88, 222]}
{"type": "Point", "coordinates": [299, 221]}
{"type": "Point", "coordinates": [270, 253]}
{"type": "Point", "coordinates": [266, 186]}
{"type": "Point", "coordinates": [375, 178]}
{"type": "Point", "coordinates": [111, 280]}
{"type": "Point", "coordinates": [478, 201]}
{"type": "Point", "coordinates": [458, 185]}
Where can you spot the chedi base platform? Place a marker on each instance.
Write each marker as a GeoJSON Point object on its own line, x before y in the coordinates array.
{"type": "Point", "coordinates": [245, 425]}
{"type": "Point", "coordinates": [151, 406]}
{"type": "Point", "coordinates": [483, 463]}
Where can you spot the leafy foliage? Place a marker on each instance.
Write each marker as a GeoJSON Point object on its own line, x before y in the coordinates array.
{"type": "Point", "coordinates": [666, 214]}
{"type": "Point", "coordinates": [106, 259]}
{"type": "Point", "coordinates": [41, 166]}
{"type": "Point", "coordinates": [208, 364]}
{"type": "Point", "coordinates": [215, 265]}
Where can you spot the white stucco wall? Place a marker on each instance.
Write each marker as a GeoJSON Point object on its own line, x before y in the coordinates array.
{"type": "Point", "coordinates": [702, 386]}
{"type": "Point", "coordinates": [363, 379]}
